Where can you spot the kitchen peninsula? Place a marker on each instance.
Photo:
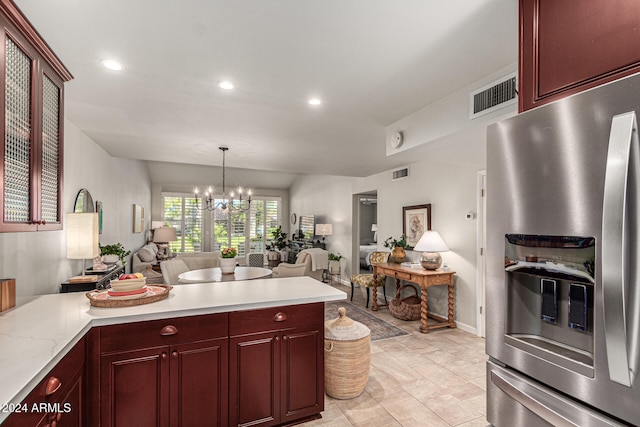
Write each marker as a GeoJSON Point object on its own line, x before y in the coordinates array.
{"type": "Point", "coordinates": [276, 316]}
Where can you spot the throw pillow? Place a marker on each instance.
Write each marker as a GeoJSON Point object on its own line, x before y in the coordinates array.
{"type": "Point", "coordinates": [146, 254]}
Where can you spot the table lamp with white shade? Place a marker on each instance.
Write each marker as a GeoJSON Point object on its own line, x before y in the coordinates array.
{"type": "Point", "coordinates": [431, 244]}
{"type": "Point", "coordinates": [374, 228]}
{"type": "Point", "coordinates": [82, 238]}
{"type": "Point", "coordinates": [324, 230]}
{"type": "Point", "coordinates": [162, 236]}
{"type": "Point", "coordinates": [154, 225]}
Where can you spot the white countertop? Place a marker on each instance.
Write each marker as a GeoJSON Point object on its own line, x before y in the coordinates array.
{"type": "Point", "coordinates": [39, 331]}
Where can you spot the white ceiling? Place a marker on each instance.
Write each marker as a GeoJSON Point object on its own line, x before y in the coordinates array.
{"type": "Point", "coordinates": [371, 61]}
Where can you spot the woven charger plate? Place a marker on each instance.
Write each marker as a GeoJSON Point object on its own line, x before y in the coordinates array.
{"type": "Point", "coordinates": [154, 293]}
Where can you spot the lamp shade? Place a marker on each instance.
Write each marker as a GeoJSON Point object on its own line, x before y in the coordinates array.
{"type": "Point", "coordinates": [82, 235]}
{"type": "Point", "coordinates": [156, 224]}
{"type": "Point", "coordinates": [374, 227]}
{"type": "Point", "coordinates": [324, 229]}
{"type": "Point", "coordinates": [431, 242]}
{"type": "Point", "coordinates": [164, 235]}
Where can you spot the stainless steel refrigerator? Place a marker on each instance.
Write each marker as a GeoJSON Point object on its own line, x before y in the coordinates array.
{"type": "Point", "coordinates": [563, 262]}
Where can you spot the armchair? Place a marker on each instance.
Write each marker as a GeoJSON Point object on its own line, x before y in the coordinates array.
{"type": "Point", "coordinates": [302, 267]}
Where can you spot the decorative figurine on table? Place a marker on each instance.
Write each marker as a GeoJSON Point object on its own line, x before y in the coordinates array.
{"type": "Point", "coordinates": [98, 265]}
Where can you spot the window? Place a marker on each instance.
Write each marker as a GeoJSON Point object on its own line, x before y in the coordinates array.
{"type": "Point", "coordinates": [181, 213]}
{"type": "Point", "coordinates": [249, 231]}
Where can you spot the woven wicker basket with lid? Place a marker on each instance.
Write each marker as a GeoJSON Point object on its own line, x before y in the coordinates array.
{"type": "Point", "coordinates": [347, 346]}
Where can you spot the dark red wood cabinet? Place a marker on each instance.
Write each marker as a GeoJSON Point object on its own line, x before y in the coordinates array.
{"type": "Point", "coordinates": [276, 365]}
{"type": "Point", "coordinates": [567, 46]}
{"type": "Point", "coordinates": [58, 399]}
{"type": "Point", "coordinates": [32, 98]}
{"type": "Point", "coordinates": [258, 367]}
{"type": "Point", "coordinates": [165, 372]}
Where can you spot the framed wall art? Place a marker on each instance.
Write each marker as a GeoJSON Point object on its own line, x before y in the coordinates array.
{"type": "Point", "coordinates": [138, 218]}
{"type": "Point", "coordinates": [415, 221]}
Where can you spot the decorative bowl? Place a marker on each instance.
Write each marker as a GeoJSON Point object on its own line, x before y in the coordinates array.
{"type": "Point", "coordinates": [110, 259]}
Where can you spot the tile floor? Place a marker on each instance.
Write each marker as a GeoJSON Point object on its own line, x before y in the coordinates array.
{"type": "Point", "coordinates": [426, 380]}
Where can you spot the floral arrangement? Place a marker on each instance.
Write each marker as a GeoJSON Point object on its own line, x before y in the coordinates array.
{"type": "Point", "coordinates": [229, 252]}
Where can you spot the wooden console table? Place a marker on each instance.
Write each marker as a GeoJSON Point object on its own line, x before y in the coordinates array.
{"type": "Point", "coordinates": [424, 278]}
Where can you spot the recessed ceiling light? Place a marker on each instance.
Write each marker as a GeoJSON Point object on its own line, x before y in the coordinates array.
{"type": "Point", "coordinates": [315, 101]}
{"type": "Point", "coordinates": [226, 85]}
{"type": "Point", "coordinates": [111, 64]}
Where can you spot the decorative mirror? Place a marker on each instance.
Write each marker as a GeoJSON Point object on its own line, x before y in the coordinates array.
{"type": "Point", "coordinates": [84, 202]}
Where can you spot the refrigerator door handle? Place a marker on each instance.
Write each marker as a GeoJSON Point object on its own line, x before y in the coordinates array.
{"type": "Point", "coordinates": [616, 243]}
{"type": "Point", "coordinates": [530, 402]}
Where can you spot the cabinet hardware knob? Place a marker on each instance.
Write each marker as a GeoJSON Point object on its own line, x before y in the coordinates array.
{"type": "Point", "coordinates": [280, 317]}
{"type": "Point", "coordinates": [174, 354]}
{"type": "Point", "coordinates": [276, 339]}
{"type": "Point", "coordinates": [168, 331]}
{"type": "Point", "coordinates": [164, 356]}
{"type": "Point", "coordinates": [53, 385]}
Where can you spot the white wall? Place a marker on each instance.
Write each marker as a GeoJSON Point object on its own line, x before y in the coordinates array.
{"type": "Point", "coordinates": [449, 188]}
{"type": "Point", "coordinates": [329, 198]}
{"type": "Point", "coordinates": [447, 151]}
{"type": "Point", "coordinates": [38, 260]}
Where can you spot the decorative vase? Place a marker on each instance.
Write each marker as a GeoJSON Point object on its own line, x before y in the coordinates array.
{"type": "Point", "coordinates": [334, 267]}
{"type": "Point", "coordinates": [227, 265]}
{"type": "Point", "coordinates": [398, 255]}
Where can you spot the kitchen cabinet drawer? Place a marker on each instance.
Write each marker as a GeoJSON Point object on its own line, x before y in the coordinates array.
{"type": "Point", "coordinates": [57, 396]}
{"type": "Point", "coordinates": [155, 333]}
{"type": "Point", "coordinates": [273, 319]}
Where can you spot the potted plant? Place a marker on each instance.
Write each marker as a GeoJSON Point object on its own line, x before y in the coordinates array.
{"type": "Point", "coordinates": [113, 253]}
{"type": "Point", "coordinates": [278, 243]}
{"type": "Point", "coordinates": [334, 263]}
{"type": "Point", "coordinates": [397, 247]}
{"type": "Point", "coordinates": [228, 260]}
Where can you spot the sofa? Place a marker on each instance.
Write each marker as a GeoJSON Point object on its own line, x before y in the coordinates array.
{"type": "Point", "coordinates": [198, 260]}
{"type": "Point", "coordinates": [146, 256]}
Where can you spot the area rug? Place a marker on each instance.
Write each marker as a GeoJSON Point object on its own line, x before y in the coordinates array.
{"type": "Point", "coordinates": [379, 328]}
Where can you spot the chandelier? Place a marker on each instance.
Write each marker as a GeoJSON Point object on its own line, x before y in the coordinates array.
{"type": "Point", "coordinates": [225, 204]}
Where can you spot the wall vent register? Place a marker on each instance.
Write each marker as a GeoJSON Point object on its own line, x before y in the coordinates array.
{"type": "Point", "coordinates": [493, 96]}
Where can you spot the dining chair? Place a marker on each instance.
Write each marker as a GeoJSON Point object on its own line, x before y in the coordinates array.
{"type": "Point", "coordinates": [366, 279]}
{"type": "Point", "coordinates": [171, 269]}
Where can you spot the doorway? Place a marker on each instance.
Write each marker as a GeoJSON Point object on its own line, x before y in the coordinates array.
{"type": "Point", "coordinates": [365, 222]}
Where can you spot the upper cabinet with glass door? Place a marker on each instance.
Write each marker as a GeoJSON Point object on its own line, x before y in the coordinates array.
{"type": "Point", "coordinates": [32, 152]}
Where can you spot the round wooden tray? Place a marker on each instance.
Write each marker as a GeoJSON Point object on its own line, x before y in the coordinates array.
{"type": "Point", "coordinates": [154, 293]}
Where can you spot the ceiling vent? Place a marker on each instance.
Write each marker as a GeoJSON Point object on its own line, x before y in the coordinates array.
{"type": "Point", "coordinates": [494, 96]}
{"type": "Point", "coordinates": [399, 174]}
